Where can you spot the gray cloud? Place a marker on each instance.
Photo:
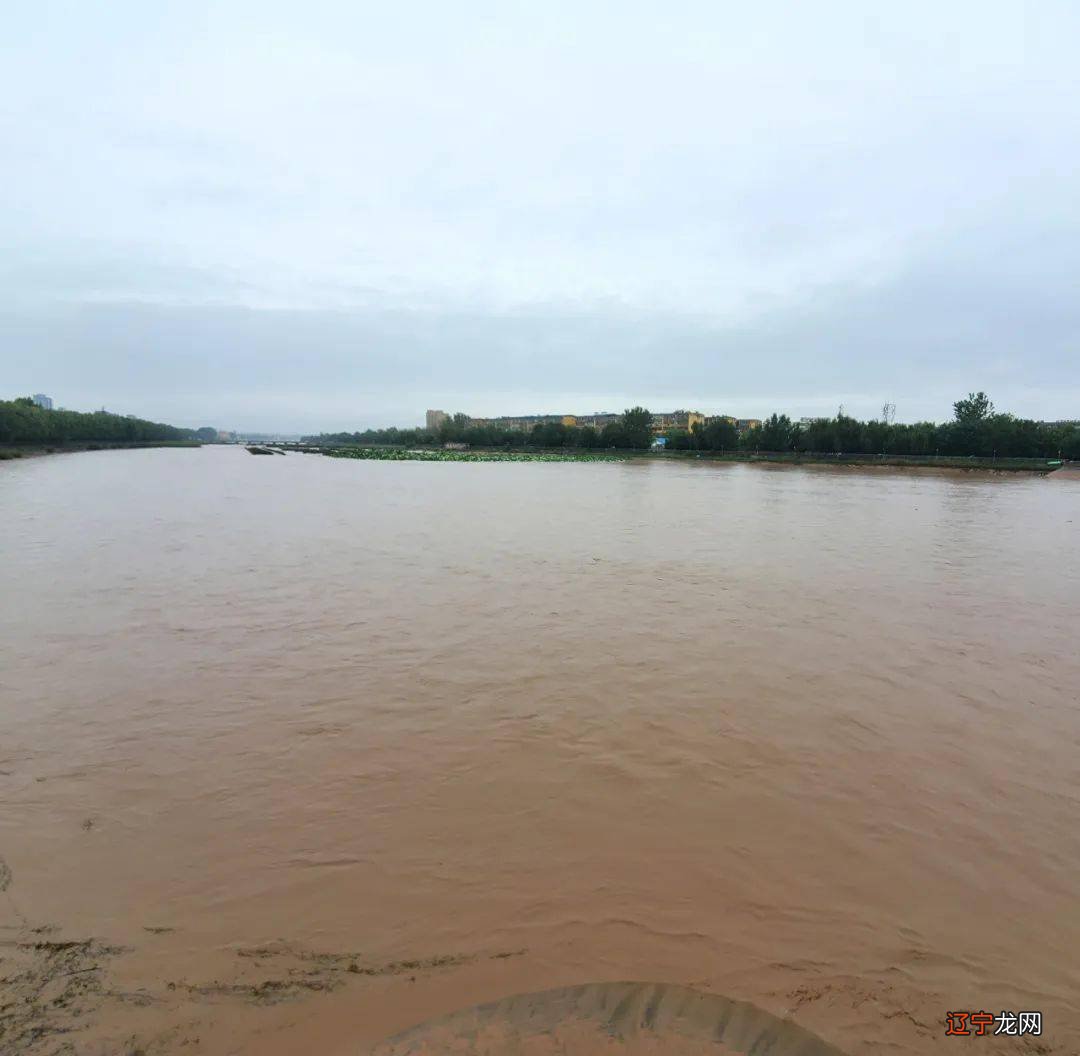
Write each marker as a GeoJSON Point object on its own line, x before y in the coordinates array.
{"type": "Point", "coordinates": [269, 217]}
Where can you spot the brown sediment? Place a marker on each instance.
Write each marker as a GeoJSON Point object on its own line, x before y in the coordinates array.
{"type": "Point", "coordinates": [59, 987]}
{"type": "Point", "coordinates": [49, 989]}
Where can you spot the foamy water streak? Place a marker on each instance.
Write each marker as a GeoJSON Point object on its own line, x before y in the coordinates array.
{"type": "Point", "coordinates": [337, 747]}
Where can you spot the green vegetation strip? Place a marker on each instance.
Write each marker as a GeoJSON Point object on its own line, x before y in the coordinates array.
{"type": "Point", "coordinates": [392, 454]}
{"type": "Point", "coordinates": [23, 422]}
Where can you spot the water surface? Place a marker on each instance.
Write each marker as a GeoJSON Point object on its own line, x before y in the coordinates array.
{"type": "Point", "coordinates": [361, 743]}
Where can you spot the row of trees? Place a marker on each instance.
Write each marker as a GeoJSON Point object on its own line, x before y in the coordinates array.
{"type": "Point", "coordinates": [23, 422]}
{"type": "Point", "coordinates": [976, 429]}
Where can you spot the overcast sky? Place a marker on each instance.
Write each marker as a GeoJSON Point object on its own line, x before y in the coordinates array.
{"type": "Point", "coordinates": [333, 214]}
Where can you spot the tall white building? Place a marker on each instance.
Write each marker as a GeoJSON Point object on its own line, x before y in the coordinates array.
{"type": "Point", "coordinates": [43, 401]}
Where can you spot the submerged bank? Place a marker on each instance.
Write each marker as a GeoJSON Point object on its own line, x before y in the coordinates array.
{"type": "Point", "coordinates": [433, 454]}
{"type": "Point", "coordinates": [11, 451]}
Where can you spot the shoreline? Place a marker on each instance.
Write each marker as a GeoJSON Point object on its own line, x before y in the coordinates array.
{"type": "Point", "coordinates": [1041, 466]}
{"type": "Point", "coordinates": [9, 451]}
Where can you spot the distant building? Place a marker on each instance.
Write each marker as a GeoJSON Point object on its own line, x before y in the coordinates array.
{"type": "Point", "coordinates": [598, 420]}
{"type": "Point", "coordinates": [525, 422]}
{"type": "Point", "coordinates": [43, 401]}
{"type": "Point", "coordinates": [804, 422]}
{"type": "Point", "coordinates": [661, 423]}
{"type": "Point", "coordinates": [741, 425]}
{"type": "Point", "coordinates": [434, 419]}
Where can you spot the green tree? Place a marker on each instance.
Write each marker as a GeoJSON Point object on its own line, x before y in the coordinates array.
{"type": "Point", "coordinates": [637, 427]}
{"type": "Point", "coordinates": [680, 440]}
{"type": "Point", "coordinates": [613, 435]}
{"type": "Point", "coordinates": [551, 434]}
{"type": "Point", "coordinates": [775, 433]}
{"type": "Point", "coordinates": [975, 408]}
{"type": "Point", "coordinates": [878, 435]}
{"type": "Point", "coordinates": [750, 440]}
{"type": "Point", "coordinates": [849, 435]}
{"type": "Point", "coordinates": [719, 435]}
{"type": "Point", "coordinates": [819, 435]}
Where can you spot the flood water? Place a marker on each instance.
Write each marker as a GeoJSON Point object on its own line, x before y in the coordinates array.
{"type": "Point", "coordinates": [316, 749]}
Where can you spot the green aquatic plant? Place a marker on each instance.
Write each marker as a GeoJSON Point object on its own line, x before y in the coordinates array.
{"type": "Point", "coordinates": [399, 454]}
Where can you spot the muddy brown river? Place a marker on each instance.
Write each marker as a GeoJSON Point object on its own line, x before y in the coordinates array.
{"type": "Point", "coordinates": [297, 754]}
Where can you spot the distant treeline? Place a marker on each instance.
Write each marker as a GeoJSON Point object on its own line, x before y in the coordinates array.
{"type": "Point", "coordinates": [975, 430]}
{"type": "Point", "coordinates": [23, 422]}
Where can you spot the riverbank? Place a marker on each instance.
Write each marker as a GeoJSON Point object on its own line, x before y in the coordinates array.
{"type": "Point", "coordinates": [10, 451]}
{"type": "Point", "coordinates": [435, 454]}
{"type": "Point", "coordinates": [1008, 465]}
